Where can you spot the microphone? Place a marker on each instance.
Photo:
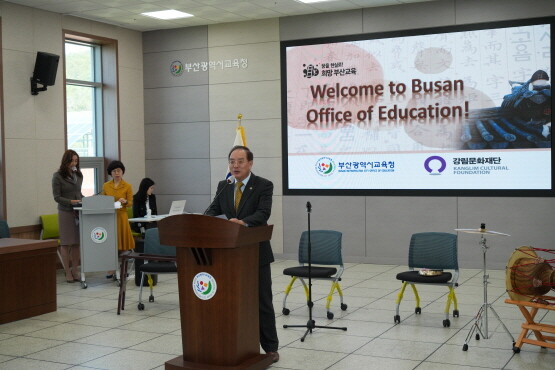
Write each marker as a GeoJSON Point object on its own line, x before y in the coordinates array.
{"type": "Point", "coordinates": [227, 182]}
{"type": "Point", "coordinates": [308, 207]}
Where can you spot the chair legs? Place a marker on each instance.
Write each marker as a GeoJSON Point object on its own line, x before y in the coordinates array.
{"type": "Point", "coordinates": [334, 286]}
{"type": "Point", "coordinates": [141, 305]}
{"type": "Point", "coordinates": [122, 286]}
{"type": "Point", "coordinates": [451, 297]}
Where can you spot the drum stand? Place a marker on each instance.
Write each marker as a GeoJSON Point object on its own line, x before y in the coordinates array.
{"type": "Point", "coordinates": [481, 322]}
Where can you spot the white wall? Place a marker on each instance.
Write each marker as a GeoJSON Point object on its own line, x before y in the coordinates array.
{"type": "Point", "coordinates": [34, 125]}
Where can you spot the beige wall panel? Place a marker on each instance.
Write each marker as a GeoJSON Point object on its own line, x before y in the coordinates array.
{"type": "Point", "coordinates": [103, 29]}
{"type": "Point", "coordinates": [19, 104]}
{"type": "Point", "coordinates": [131, 96]}
{"type": "Point", "coordinates": [129, 54]}
{"type": "Point", "coordinates": [262, 62]}
{"type": "Point", "coordinates": [48, 157]}
{"type": "Point", "coordinates": [21, 181]}
{"type": "Point", "coordinates": [49, 111]}
{"type": "Point", "coordinates": [133, 157]}
{"type": "Point", "coordinates": [255, 100]}
{"type": "Point", "coordinates": [76, 24]}
{"type": "Point", "coordinates": [47, 35]}
{"type": "Point", "coordinates": [263, 137]}
{"type": "Point", "coordinates": [17, 28]}
{"type": "Point", "coordinates": [409, 16]}
{"type": "Point", "coordinates": [243, 32]}
{"type": "Point", "coordinates": [497, 10]}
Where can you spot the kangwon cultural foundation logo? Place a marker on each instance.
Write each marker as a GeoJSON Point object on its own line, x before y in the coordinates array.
{"type": "Point", "coordinates": [204, 285]}
{"type": "Point", "coordinates": [437, 166]}
{"type": "Point", "coordinates": [176, 68]}
{"type": "Point", "coordinates": [99, 235]}
{"type": "Point", "coordinates": [325, 166]}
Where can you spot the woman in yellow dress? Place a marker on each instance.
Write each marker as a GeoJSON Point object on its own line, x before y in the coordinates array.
{"type": "Point", "coordinates": [122, 192]}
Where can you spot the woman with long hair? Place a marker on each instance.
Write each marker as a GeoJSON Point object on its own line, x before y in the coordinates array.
{"type": "Point", "coordinates": [144, 204]}
{"type": "Point", "coordinates": [66, 189]}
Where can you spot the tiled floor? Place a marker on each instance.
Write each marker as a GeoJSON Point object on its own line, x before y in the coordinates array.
{"type": "Point", "coordinates": [86, 333]}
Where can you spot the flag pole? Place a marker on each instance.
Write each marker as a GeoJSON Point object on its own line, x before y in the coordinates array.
{"type": "Point", "coordinates": [240, 137]}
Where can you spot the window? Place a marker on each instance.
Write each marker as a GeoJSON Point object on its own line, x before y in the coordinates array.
{"type": "Point", "coordinates": [91, 115]}
{"type": "Point", "coordinates": [84, 98]}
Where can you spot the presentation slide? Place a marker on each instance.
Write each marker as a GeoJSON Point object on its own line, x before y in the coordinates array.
{"type": "Point", "coordinates": [462, 110]}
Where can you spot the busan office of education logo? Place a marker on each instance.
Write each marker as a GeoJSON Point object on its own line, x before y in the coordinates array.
{"type": "Point", "coordinates": [310, 70]}
{"type": "Point", "coordinates": [176, 68]}
{"type": "Point", "coordinates": [325, 166]}
{"type": "Point", "coordinates": [204, 286]}
{"type": "Point", "coordinates": [435, 165]}
{"type": "Point", "coordinates": [99, 235]}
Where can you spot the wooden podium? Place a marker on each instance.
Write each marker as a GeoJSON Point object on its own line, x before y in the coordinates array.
{"type": "Point", "coordinates": [220, 332]}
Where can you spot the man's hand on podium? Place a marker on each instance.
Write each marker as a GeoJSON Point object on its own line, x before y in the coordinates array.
{"type": "Point", "coordinates": [237, 221]}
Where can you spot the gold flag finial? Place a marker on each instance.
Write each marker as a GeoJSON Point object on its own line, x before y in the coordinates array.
{"type": "Point", "coordinates": [239, 118]}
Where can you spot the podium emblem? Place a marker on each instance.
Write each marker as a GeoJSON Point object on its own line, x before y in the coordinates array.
{"type": "Point", "coordinates": [99, 235]}
{"type": "Point", "coordinates": [204, 286]}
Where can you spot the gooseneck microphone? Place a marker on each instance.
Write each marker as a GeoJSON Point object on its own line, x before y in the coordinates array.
{"type": "Point", "coordinates": [228, 181]}
{"type": "Point", "coordinates": [308, 207]}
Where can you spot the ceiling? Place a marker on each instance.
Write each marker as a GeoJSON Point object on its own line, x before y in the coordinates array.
{"type": "Point", "coordinates": [127, 13]}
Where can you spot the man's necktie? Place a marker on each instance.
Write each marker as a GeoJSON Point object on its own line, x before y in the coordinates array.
{"type": "Point", "coordinates": [238, 194]}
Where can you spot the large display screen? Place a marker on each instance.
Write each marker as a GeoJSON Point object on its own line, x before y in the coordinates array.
{"type": "Point", "coordinates": [462, 110]}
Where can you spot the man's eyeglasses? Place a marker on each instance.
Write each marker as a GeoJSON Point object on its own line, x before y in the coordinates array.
{"type": "Point", "coordinates": [239, 162]}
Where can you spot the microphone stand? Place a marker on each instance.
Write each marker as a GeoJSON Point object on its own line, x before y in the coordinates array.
{"type": "Point", "coordinates": [228, 181]}
{"type": "Point", "coordinates": [311, 324]}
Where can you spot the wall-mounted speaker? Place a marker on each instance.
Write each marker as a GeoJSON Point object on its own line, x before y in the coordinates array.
{"type": "Point", "coordinates": [46, 66]}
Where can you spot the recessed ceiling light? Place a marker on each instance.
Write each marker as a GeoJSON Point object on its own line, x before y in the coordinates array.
{"type": "Point", "coordinates": [168, 14]}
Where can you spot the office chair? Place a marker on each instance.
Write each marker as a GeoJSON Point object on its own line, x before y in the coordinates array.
{"type": "Point", "coordinates": [4, 229]}
{"type": "Point", "coordinates": [326, 250]}
{"type": "Point", "coordinates": [51, 230]}
{"type": "Point", "coordinates": [433, 252]}
{"type": "Point", "coordinates": [159, 259]}
{"type": "Point", "coordinates": [135, 234]}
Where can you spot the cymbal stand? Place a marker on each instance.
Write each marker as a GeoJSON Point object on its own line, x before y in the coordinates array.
{"type": "Point", "coordinates": [481, 322]}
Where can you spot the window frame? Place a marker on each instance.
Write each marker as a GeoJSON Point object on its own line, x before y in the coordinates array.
{"type": "Point", "coordinates": [107, 108]}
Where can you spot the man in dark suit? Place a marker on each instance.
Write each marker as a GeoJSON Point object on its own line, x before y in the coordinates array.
{"type": "Point", "coordinates": [248, 201]}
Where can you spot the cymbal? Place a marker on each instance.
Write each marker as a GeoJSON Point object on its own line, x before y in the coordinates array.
{"type": "Point", "coordinates": [481, 231]}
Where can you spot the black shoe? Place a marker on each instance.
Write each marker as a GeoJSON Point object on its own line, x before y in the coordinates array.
{"type": "Point", "coordinates": [274, 356]}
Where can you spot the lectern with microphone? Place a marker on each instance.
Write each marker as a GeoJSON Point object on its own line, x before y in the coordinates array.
{"type": "Point", "coordinates": [217, 265]}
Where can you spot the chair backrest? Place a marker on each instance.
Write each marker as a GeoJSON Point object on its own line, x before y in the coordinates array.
{"type": "Point", "coordinates": [153, 246]}
{"type": "Point", "coordinates": [433, 250]}
{"type": "Point", "coordinates": [4, 229]}
{"type": "Point", "coordinates": [50, 226]}
{"type": "Point", "coordinates": [325, 247]}
{"type": "Point", "coordinates": [129, 212]}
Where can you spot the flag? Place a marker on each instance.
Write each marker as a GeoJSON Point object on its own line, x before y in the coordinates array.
{"type": "Point", "coordinates": [240, 139]}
